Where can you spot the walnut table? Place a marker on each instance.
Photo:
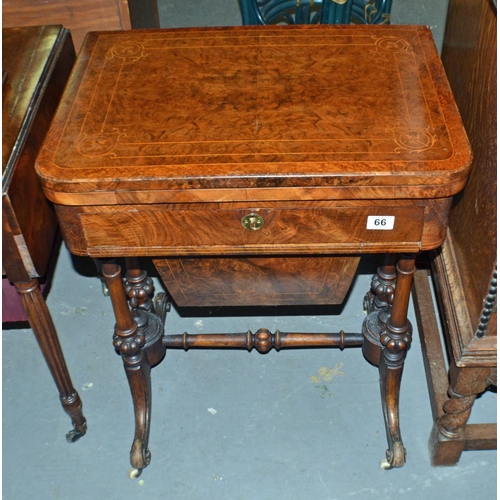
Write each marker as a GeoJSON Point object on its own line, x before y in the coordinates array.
{"type": "Point", "coordinates": [255, 165]}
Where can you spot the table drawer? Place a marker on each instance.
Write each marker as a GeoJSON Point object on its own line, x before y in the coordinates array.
{"type": "Point", "coordinates": [186, 230]}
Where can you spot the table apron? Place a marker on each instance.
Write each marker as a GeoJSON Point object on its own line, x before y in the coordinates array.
{"type": "Point", "coordinates": [292, 228]}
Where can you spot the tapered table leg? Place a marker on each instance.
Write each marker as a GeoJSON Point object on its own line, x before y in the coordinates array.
{"type": "Point", "coordinates": [42, 325]}
{"type": "Point", "coordinates": [387, 340]}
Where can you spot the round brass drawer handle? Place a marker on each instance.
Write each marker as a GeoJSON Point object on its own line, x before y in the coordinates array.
{"type": "Point", "coordinates": [252, 222]}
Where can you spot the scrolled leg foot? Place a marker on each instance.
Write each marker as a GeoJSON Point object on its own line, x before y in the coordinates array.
{"type": "Point", "coordinates": [76, 433]}
{"type": "Point", "coordinates": [140, 456]}
{"type": "Point", "coordinates": [395, 457]}
{"type": "Point", "coordinates": [396, 339]}
{"type": "Point", "coordinates": [138, 338]}
{"type": "Point", "coordinates": [134, 473]}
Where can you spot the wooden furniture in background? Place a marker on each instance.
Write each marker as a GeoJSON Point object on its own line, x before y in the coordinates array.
{"type": "Point", "coordinates": [256, 150]}
{"type": "Point", "coordinates": [81, 16]}
{"type": "Point", "coordinates": [37, 62]}
{"type": "Point", "coordinates": [464, 268]}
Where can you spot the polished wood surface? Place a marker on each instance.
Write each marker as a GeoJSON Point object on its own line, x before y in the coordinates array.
{"type": "Point", "coordinates": [470, 59]}
{"type": "Point", "coordinates": [289, 227]}
{"type": "Point", "coordinates": [80, 16]}
{"type": "Point", "coordinates": [223, 152]}
{"type": "Point", "coordinates": [464, 269]}
{"type": "Point", "coordinates": [250, 281]}
{"type": "Point", "coordinates": [37, 62]}
{"type": "Point", "coordinates": [240, 110]}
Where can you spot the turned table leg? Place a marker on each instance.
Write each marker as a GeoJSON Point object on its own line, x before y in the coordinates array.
{"type": "Point", "coordinates": [448, 437]}
{"type": "Point", "coordinates": [387, 339]}
{"type": "Point", "coordinates": [137, 337]}
{"type": "Point", "coordinates": [382, 286]}
{"type": "Point", "coordinates": [42, 325]}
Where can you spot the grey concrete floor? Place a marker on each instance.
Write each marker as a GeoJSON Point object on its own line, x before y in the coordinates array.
{"type": "Point", "coordinates": [296, 424]}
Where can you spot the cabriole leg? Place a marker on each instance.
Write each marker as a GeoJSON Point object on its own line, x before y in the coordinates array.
{"type": "Point", "coordinates": [387, 339]}
{"type": "Point", "coordinates": [43, 327]}
{"type": "Point", "coordinates": [396, 341]}
{"type": "Point", "coordinates": [128, 341]}
{"type": "Point", "coordinates": [138, 338]}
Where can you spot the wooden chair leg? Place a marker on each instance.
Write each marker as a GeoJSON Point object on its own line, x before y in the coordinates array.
{"type": "Point", "coordinates": [43, 327]}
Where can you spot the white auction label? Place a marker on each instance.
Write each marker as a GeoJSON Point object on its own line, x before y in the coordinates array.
{"type": "Point", "coordinates": [382, 222]}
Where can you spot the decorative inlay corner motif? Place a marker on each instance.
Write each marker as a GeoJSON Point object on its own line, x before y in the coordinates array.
{"type": "Point", "coordinates": [132, 51]}
{"type": "Point", "coordinates": [98, 145]}
{"type": "Point", "coordinates": [391, 44]}
{"type": "Point", "coordinates": [414, 140]}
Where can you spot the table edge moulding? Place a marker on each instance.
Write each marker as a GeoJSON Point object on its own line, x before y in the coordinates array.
{"type": "Point", "coordinates": [254, 166]}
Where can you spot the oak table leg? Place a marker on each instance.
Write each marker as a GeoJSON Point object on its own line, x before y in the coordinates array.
{"type": "Point", "coordinates": [448, 437]}
{"type": "Point", "coordinates": [387, 339]}
{"type": "Point", "coordinates": [42, 325]}
{"type": "Point", "coordinates": [137, 337]}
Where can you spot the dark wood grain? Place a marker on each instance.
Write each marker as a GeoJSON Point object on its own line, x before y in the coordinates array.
{"type": "Point", "coordinates": [430, 339]}
{"type": "Point", "coordinates": [269, 108]}
{"type": "Point", "coordinates": [464, 268]}
{"type": "Point", "coordinates": [281, 280]}
{"type": "Point", "coordinates": [470, 59]}
{"type": "Point", "coordinates": [37, 61]}
{"type": "Point", "coordinates": [305, 227]}
{"type": "Point", "coordinates": [79, 16]}
{"type": "Point", "coordinates": [263, 340]}
{"type": "Point", "coordinates": [166, 140]}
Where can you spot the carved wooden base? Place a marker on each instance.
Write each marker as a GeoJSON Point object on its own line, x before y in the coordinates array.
{"type": "Point", "coordinates": [43, 327]}
{"type": "Point", "coordinates": [140, 340]}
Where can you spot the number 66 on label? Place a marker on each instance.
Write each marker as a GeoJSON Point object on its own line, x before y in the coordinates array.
{"type": "Point", "coordinates": [381, 222]}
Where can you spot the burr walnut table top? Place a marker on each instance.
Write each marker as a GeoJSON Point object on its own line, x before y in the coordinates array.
{"type": "Point", "coordinates": [255, 113]}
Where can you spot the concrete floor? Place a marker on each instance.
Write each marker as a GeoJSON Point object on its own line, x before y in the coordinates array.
{"type": "Point", "coordinates": [295, 424]}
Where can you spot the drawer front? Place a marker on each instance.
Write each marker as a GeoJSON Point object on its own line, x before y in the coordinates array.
{"type": "Point", "coordinates": [157, 231]}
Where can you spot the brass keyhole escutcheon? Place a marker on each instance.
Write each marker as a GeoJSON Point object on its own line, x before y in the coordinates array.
{"type": "Point", "coordinates": [252, 222]}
